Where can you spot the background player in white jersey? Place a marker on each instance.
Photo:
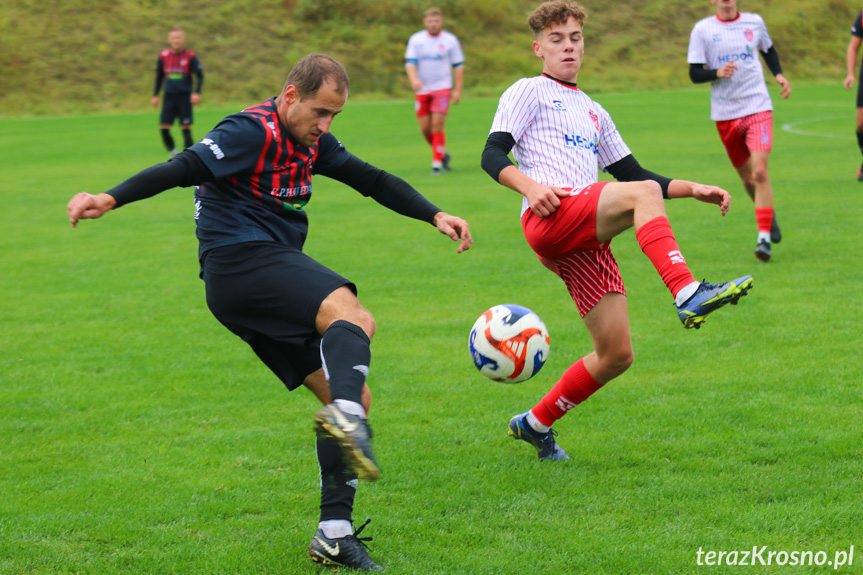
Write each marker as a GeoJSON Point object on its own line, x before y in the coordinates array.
{"type": "Point", "coordinates": [723, 49]}
{"type": "Point", "coordinates": [560, 138]}
{"type": "Point", "coordinates": [851, 64]}
{"type": "Point", "coordinates": [434, 59]}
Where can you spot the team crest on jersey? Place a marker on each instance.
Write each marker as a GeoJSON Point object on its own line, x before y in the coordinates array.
{"type": "Point", "coordinates": [749, 35]}
{"type": "Point", "coordinates": [717, 38]}
{"type": "Point", "coordinates": [272, 126]}
{"type": "Point", "coordinates": [558, 105]}
{"type": "Point", "coordinates": [594, 117]}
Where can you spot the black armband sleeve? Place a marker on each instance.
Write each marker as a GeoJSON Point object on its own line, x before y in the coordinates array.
{"type": "Point", "coordinates": [629, 170]}
{"type": "Point", "coordinates": [183, 170]}
{"type": "Point", "coordinates": [699, 74]}
{"type": "Point", "coordinates": [199, 74]}
{"type": "Point", "coordinates": [386, 189]}
{"type": "Point", "coordinates": [771, 58]}
{"type": "Point", "coordinates": [495, 154]}
{"type": "Point", "coordinates": [160, 75]}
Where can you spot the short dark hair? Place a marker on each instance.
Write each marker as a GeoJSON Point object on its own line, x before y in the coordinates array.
{"type": "Point", "coordinates": [433, 11]}
{"type": "Point", "coordinates": [556, 12]}
{"type": "Point", "coordinates": [310, 73]}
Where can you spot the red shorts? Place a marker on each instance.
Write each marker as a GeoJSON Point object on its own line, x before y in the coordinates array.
{"type": "Point", "coordinates": [565, 242]}
{"type": "Point", "coordinates": [434, 102]}
{"type": "Point", "coordinates": [746, 135]}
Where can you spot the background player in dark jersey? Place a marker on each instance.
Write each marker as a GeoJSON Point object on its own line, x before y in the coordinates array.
{"type": "Point", "coordinates": [851, 65]}
{"type": "Point", "coordinates": [175, 67]}
{"type": "Point", "coordinates": [253, 173]}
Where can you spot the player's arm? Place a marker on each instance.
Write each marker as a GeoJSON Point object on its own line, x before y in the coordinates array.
{"type": "Point", "coordinates": [160, 76]}
{"type": "Point", "coordinates": [458, 82]}
{"type": "Point", "coordinates": [411, 65]}
{"type": "Point", "coordinates": [851, 61]}
{"type": "Point", "coordinates": [543, 200]}
{"type": "Point", "coordinates": [629, 170]}
{"type": "Point", "coordinates": [771, 58]}
{"type": "Point", "coordinates": [399, 196]}
{"type": "Point", "coordinates": [183, 170]}
{"type": "Point", "coordinates": [199, 77]}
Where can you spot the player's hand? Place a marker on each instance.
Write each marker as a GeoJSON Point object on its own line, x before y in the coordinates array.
{"type": "Point", "coordinates": [195, 99]}
{"type": "Point", "coordinates": [544, 200]}
{"type": "Point", "coordinates": [849, 81]}
{"type": "Point", "coordinates": [454, 227]}
{"type": "Point", "coordinates": [416, 85]}
{"type": "Point", "coordinates": [154, 101]}
{"type": "Point", "coordinates": [712, 195]}
{"type": "Point", "coordinates": [84, 206]}
{"type": "Point", "coordinates": [727, 70]}
{"type": "Point", "coordinates": [785, 92]}
{"type": "Point", "coordinates": [455, 97]}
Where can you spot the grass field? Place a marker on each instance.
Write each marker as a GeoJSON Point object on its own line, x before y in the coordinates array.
{"type": "Point", "coordinates": [139, 436]}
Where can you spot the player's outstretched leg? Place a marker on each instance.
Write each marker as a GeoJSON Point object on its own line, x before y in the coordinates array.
{"type": "Point", "coordinates": [546, 447]}
{"type": "Point", "coordinates": [710, 297]}
{"type": "Point", "coordinates": [349, 551]}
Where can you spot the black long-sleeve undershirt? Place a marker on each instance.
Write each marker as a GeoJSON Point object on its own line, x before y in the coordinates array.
{"type": "Point", "coordinates": [499, 144]}
{"type": "Point", "coordinates": [699, 74]}
{"type": "Point", "coordinates": [187, 169]}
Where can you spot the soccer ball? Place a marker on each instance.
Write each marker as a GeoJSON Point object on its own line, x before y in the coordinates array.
{"type": "Point", "coordinates": [509, 343]}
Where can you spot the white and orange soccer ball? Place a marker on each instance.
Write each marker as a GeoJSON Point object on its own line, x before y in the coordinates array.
{"type": "Point", "coordinates": [509, 343]}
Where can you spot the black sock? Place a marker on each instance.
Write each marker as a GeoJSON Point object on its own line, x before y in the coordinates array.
{"type": "Point", "coordinates": [187, 137]}
{"type": "Point", "coordinates": [167, 139]}
{"type": "Point", "coordinates": [860, 141]}
{"type": "Point", "coordinates": [346, 356]}
{"type": "Point", "coordinates": [338, 486]}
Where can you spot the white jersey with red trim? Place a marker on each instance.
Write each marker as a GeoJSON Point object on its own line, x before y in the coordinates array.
{"type": "Point", "coordinates": [434, 58]}
{"type": "Point", "coordinates": [562, 137]}
{"type": "Point", "coordinates": [715, 43]}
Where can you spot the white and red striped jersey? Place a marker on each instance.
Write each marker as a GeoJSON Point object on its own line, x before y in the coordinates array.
{"type": "Point", "coordinates": [715, 43]}
{"type": "Point", "coordinates": [562, 137]}
{"type": "Point", "coordinates": [434, 58]}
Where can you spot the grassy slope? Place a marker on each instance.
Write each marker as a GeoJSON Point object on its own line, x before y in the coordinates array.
{"type": "Point", "coordinates": [72, 56]}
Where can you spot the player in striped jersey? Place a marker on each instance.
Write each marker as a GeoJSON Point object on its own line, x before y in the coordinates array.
{"type": "Point", "coordinates": [434, 63]}
{"type": "Point", "coordinates": [175, 67]}
{"type": "Point", "coordinates": [851, 65]}
{"type": "Point", "coordinates": [560, 139]}
{"type": "Point", "coordinates": [253, 174]}
{"type": "Point", "coordinates": [723, 49]}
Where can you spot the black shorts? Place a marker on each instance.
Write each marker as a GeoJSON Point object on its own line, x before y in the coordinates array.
{"type": "Point", "coordinates": [176, 105]}
{"type": "Point", "coordinates": [269, 294]}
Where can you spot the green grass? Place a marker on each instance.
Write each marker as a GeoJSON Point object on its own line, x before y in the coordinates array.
{"type": "Point", "coordinates": [139, 436]}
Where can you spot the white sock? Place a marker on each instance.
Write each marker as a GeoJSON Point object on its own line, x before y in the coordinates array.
{"type": "Point", "coordinates": [350, 407]}
{"type": "Point", "coordinates": [764, 237]}
{"type": "Point", "coordinates": [336, 528]}
{"type": "Point", "coordinates": [535, 424]}
{"type": "Point", "coordinates": [686, 293]}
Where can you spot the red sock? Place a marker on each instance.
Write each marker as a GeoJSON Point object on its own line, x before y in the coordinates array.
{"type": "Point", "coordinates": [575, 385]}
{"type": "Point", "coordinates": [658, 244]}
{"type": "Point", "coordinates": [438, 146]}
{"type": "Point", "coordinates": [764, 217]}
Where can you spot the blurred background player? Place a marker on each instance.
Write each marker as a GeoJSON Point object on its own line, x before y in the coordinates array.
{"type": "Point", "coordinates": [434, 59]}
{"type": "Point", "coordinates": [560, 139]}
{"type": "Point", "coordinates": [851, 65]}
{"type": "Point", "coordinates": [175, 67]}
{"type": "Point", "coordinates": [253, 176]}
{"type": "Point", "coordinates": [723, 49]}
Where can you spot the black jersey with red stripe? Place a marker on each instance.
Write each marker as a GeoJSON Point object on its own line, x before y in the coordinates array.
{"type": "Point", "coordinates": [262, 179]}
{"type": "Point", "coordinates": [176, 70]}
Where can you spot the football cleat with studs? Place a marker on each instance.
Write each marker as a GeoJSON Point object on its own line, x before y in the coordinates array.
{"type": "Point", "coordinates": [348, 551]}
{"type": "Point", "coordinates": [710, 297]}
{"type": "Point", "coordinates": [762, 251]}
{"type": "Point", "coordinates": [353, 435]}
{"type": "Point", "coordinates": [546, 447]}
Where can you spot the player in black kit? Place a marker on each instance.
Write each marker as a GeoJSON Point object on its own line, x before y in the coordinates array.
{"type": "Point", "coordinates": [175, 67]}
{"type": "Point", "coordinates": [253, 176]}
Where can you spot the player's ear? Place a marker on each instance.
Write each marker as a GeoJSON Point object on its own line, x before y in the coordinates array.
{"type": "Point", "coordinates": [291, 94]}
{"type": "Point", "coordinates": [536, 49]}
